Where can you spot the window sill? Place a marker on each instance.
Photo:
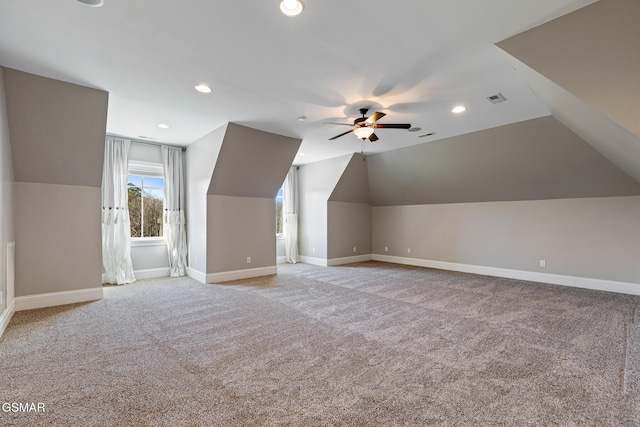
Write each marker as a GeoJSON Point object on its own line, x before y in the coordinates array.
{"type": "Point", "coordinates": [148, 241]}
{"type": "Point", "coordinates": [279, 236]}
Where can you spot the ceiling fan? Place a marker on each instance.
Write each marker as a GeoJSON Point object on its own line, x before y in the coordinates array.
{"type": "Point", "coordinates": [363, 127]}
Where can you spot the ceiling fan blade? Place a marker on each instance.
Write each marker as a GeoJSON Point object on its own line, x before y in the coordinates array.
{"type": "Point", "coordinates": [375, 117]}
{"type": "Point", "coordinates": [332, 123]}
{"type": "Point", "coordinates": [342, 134]}
{"type": "Point", "coordinates": [373, 137]}
{"type": "Point", "coordinates": [393, 125]}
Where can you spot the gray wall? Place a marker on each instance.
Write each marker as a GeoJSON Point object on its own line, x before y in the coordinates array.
{"type": "Point", "coordinates": [249, 171]}
{"type": "Point", "coordinates": [316, 182]}
{"type": "Point", "coordinates": [58, 238]}
{"type": "Point", "coordinates": [353, 185]}
{"type": "Point", "coordinates": [349, 212]}
{"type": "Point", "coordinates": [233, 176]}
{"type": "Point", "coordinates": [348, 226]}
{"type": "Point", "coordinates": [583, 67]}
{"type": "Point", "coordinates": [200, 161]}
{"type": "Point", "coordinates": [594, 238]}
{"type": "Point", "coordinates": [592, 53]}
{"type": "Point", "coordinates": [335, 214]}
{"type": "Point", "coordinates": [6, 197]}
{"type": "Point", "coordinates": [57, 135]}
{"type": "Point", "coordinates": [57, 130]}
{"type": "Point", "coordinates": [237, 228]}
{"type": "Point", "coordinates": [534, 159]}
{"type": "Point", "coordinates": [252, 163]}
{"type": "Point", "coordinates": [509, 197]}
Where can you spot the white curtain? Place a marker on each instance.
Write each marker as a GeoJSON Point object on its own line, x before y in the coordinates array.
{"type": "Point", "coordinates": [174, 231]}
{"type": "Point", "coordinates": [290, 209]}
{"type": "Point", "coordinates": [116, 232]}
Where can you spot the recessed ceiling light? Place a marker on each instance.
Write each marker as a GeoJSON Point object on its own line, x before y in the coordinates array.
{"type": "Point", "coordinates": [414, 129]}
{"type": "Point", "coordinates": [92, 3]}
{"type": "Point", "coordinates": [302, 118]}
{"type": "Point", "coordinates": [164, 126]}
{"type": "Point", "coordinates": [291, 7]}
{"type": "Point", "coordinates": [203, 89]}
{"type": "Point", "coordinates": [301, 154]}
{"type": "Point", "coordinates": [458, 109]}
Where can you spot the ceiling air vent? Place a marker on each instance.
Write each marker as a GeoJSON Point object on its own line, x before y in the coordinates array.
{"type": "Point", "coordinates": [426, 134]}
{"type": "Point", "coordinates": [497, 98]}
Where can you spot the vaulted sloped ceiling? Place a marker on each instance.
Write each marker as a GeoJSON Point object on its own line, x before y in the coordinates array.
{"type": "Point", "coordinates": [531, 160]}
{"type": "Point", "coordinates": [585, 67]}
{"type": "Point", "coordinates": [57, 130]}
{"type": "Point", "coordinates": [353, 185]}
{"type": "Point", "coordinates": [252, 163]}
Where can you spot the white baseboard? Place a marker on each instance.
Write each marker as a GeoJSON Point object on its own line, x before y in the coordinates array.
{"type": "Point", "coordinates": [281, 260]}
{"type": "Point", "coordinates": [349, 260]}
{"type": "Point", "coordinates": [6, 316]}
{"type": "Point", "coordinates": [531, 276]}
{"type": "Point", "coordinates": [197, 275]}
{"type": "Point", "coordinates": [226, 276]}
{"type": "Point", "coordinates": [151, 273]}
{"type": "Point", "coordinates": [335, 261]}
{"type": "Point", "coordinates": [313, 261]}
{"type": "Point", "coordinates": [57, 298]}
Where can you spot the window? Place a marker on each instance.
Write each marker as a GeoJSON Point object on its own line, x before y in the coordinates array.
{"type": "Point", "coordinates": [146, 204]}
{"type": "Point", "coordinates": [279, 202]}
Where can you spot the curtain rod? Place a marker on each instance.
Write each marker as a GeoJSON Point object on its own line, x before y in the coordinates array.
{"type": "Point", "coordinates": [138, 141]}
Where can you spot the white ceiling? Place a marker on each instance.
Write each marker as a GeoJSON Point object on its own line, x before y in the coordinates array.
{"type": "Point", "coordinates": [412, 59]}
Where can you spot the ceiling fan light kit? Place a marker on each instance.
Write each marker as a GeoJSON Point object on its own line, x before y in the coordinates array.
{"type": "Point", "coordinates": [291, 7]}
{"type": "Point", "coordinates": [363, 127]}
{"type": "Point", "coordinates": [363, 132]}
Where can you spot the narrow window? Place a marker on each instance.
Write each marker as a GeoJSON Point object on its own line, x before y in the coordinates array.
{"type": "Point", "coordinates": [279, 222]}
{"type": "Point", "coordinates": [146, 203]}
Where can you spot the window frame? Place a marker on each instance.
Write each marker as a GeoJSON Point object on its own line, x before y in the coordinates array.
{"type": "Point", "coordinates": [151, 170]}
{"type": "Point", "coordinates": [280, 236]}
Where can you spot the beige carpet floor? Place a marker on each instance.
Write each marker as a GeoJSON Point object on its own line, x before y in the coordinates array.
{"type": "Point", "coordinates": [361, 345]}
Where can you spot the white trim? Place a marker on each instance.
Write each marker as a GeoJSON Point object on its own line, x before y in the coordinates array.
{"type": "Point", "coordinates": [313, 261]}
{"type": "Point", "coordinates": [152, 273]}
{"type": "Point", "coordinates": [226, 276]}
{"type": "Point", "coordinates": [281, 260]}
{"type": "Point", "coordinates": [197, 275]}
{"type": "Point", "coordinates": [532, 276]}
{"type": "Point", "coordinates": [137, 242]}
{"type": "Point", "coordinates": [6, 316]}
{"type": "Point", "coordinates": [52, 299]}
{"type": "Point", "coordinates": [349, 260]}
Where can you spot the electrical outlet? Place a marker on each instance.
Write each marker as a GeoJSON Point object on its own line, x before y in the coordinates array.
{"type": "Point", "coordinates": [1, 299]}
{"type": "Point", "coordinates": [355, 249]}
{"type": "Point", "coordinates": [408, 250]}
{"type": "Point", "coordinates": [248, 260]}
{"type": "Point", "coordinates": [196, 263]}
{"type": "Point", "coordinates": [313, 250]}
{"type": "Point", "coordinates": [543, 263]}
{"type": "Point", "coordinates": [386, 248]}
